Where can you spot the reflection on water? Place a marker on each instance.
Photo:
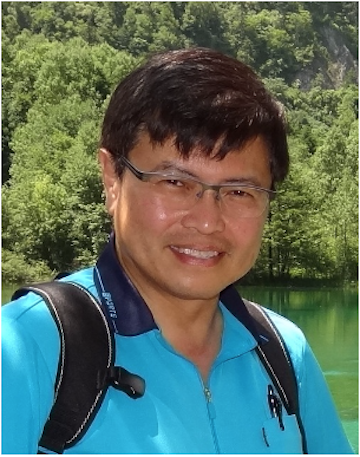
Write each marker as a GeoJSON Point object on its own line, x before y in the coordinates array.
{"type": "Point", "coordinates": [329, 319]}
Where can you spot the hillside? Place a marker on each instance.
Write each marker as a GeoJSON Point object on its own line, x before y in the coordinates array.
{"type": "Point", "coordinates": [60, 62]}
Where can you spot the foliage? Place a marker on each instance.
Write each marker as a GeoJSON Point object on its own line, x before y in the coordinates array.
{"type": "Point", "coordinates": [61, 61]}
{"type": "Point", "coordinates": [17, 269]}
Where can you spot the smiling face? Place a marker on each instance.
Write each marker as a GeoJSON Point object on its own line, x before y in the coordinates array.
{"type": "Point", "coordinates": [184, 254]}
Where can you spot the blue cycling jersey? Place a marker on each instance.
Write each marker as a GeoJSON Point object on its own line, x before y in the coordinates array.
{"type": "Point", "coordinates": [179, 413]}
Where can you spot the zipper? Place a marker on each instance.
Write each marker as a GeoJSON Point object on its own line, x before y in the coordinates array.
{"type": "Point", "coordinates": [212, 415]}
{"type": "Point", "coordinates": [206, 391]}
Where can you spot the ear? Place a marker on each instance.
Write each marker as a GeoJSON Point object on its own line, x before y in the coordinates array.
{"type": "Point", "coordinates": [110, 180]}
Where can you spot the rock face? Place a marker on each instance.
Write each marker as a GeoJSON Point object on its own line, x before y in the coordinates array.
{"type": "Point", "coordinates": [332, 66]}
{"type": "Point", "coordinates": [343, 61]}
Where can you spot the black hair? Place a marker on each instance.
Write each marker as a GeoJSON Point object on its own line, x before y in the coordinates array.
{"type": "Point", "coordinates": [201, 98]}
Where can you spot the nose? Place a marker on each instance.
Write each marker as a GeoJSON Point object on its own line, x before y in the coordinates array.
{"type": "Point", "coordinates": [205, 215]}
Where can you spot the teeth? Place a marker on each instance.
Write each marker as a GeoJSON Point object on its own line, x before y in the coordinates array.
{"type": "Point", "coordinates": [196, 253]}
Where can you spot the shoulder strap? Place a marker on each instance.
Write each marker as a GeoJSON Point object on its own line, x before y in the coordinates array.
{"type": "Point", "coordinates": [275, 358]}
{"type": "Point", "coordinates": [86, 365]}
{"type": "Point", "coordinates": [86, 349]}
{"type": "Point", "coordinates": [273, 354]}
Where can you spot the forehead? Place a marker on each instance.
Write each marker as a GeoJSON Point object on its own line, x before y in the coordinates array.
{"type": "Point", "coordinates": [148, 150]}
{"type": "Point", "coordinates": [249, 162]}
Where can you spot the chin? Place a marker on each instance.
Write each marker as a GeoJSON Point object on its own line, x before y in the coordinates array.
{"type": "Point", "coordinates": [197, 295]}
{"type": "Point", "coordinates": [198, 291]}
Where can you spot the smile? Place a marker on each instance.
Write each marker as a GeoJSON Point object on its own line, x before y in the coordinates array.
{"type": "Point", "coordinates": [196, 253]}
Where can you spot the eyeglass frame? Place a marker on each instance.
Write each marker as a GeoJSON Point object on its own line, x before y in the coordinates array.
{"type": "Point", "coordinates": [144, 176]}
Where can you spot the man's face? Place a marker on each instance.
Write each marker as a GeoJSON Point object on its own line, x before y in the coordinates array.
{"type": "Point", "coordinates": [190, 253]}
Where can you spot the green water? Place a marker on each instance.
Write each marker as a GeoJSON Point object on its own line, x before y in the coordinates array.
{"type": "Point", "coordinates": [329, 319]}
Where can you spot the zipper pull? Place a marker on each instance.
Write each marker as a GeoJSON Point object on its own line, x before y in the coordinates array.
{"type": "Point", "coordinates": [210, 404]}
{"type": "Point", "coordinates": [207, 394]}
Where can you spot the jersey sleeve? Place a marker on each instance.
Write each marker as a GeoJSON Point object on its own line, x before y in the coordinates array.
{"type": "Point", "coordinates": [30, 353]}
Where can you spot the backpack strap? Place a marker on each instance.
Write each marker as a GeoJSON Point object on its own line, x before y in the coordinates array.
{"type": "Point", "coordinates": [275, 358]}
{"type": "Point", "coordinates": [86, 364]}
{"type": "Point", "coordinates": [272, 352]}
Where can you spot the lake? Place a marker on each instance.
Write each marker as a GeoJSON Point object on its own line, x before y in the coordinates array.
{"type": "Point", "coordinates": [329, 319]}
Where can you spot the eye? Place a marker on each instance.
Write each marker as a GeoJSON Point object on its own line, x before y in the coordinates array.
{"type": "Point", "coordinates": [241, 193]}
{"type": "Point", "coordinates": [172, 182]}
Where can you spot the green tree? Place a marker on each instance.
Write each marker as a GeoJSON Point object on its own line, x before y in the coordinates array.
{"type": "Point", "coordinates": [150, 27]}
{"type": "Point", "coordinates": [337, 181]}
{"type": "Point", "coordinates": [21, 63]}
{"type": "Point", "coordinates": [203, 24]}
{"type": "Point", "coordinates": [54, 203]}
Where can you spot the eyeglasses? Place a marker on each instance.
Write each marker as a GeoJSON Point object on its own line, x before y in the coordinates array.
{"type": "Point", "coordinates": [182, 192]}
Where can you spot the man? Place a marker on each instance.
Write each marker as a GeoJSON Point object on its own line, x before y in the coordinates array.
{"type": "Point", "coordinates": [191, 151]}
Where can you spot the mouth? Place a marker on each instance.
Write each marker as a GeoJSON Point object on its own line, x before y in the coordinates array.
{"type": "Point", "coordinates": [197, 253]}
{"type": "Point", "coordinates": [205, 256]}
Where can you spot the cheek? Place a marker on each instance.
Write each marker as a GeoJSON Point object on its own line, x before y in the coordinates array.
{"type": "Point", "coordinates": [143, 213]}
{"type": "Point", "coordinates": [248, 235]}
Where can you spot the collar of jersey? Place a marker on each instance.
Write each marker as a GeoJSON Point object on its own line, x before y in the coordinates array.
{"type": "Point", "coordinates": [124, 307]}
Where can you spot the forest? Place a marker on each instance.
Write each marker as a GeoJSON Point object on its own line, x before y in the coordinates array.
{"type": "Point", "coordinates": [60, 63]}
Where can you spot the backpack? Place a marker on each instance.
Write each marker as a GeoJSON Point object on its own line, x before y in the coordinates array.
{"type": "Point", "coordinates": [87, 353]}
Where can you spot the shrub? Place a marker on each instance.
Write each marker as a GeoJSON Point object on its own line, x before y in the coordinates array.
{"type": "Point", "coordinates": [17, 270]}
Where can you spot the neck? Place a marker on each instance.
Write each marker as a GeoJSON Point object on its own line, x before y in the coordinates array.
{"type": "Point", "coordinates": [192, 327]}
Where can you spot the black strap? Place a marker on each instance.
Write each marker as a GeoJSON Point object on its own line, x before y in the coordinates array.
{"type": "Point", "coordinates": [86, 349]}
{"type": "Point", "coordinates": [275, 357]}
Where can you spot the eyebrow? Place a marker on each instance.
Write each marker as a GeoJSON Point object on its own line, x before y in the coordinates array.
{"type": "Point", "coordinates": [175, 168]}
